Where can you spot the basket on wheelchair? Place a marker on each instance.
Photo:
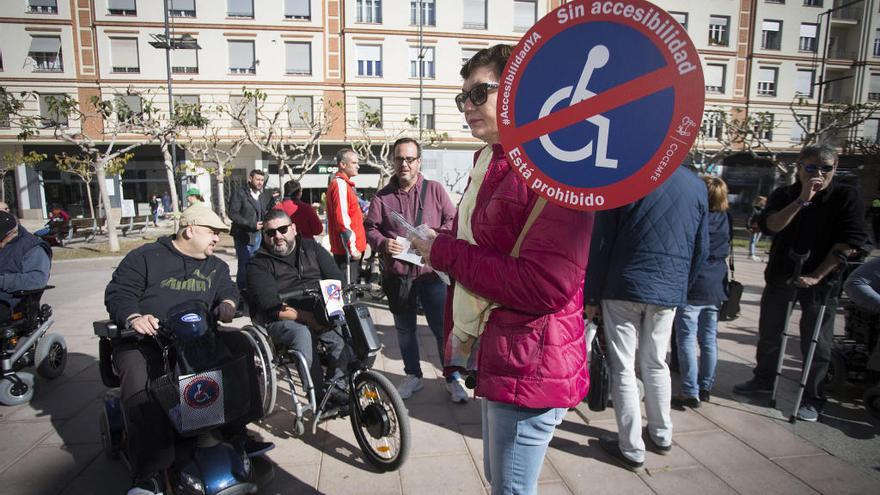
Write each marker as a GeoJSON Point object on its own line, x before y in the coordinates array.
{"type": "Point", "coordinates": [25, 342]}
{"type": "Point", "coordinates": [378, 417]}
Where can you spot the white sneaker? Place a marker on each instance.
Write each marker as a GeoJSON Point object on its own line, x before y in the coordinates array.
{"type": "Point", "coordinates": [457, 391]}
{"type": "Point", "coordinates": [410, 385]}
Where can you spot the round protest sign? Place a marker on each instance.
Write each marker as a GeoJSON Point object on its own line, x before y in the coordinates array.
{"type": "Point", "coordinates": [600, 102]}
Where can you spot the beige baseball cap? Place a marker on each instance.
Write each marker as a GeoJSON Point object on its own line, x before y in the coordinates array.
{"type": "Point", "coordinates": [203, 216]}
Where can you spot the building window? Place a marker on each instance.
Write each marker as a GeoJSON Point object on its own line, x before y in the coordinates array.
{"type": "Point", "coordinates": [767, 81]}
{"type": "Point", "coordinates": [475, 14]}
{"type": "Point", "coordinates": [428, 17]}
{"type": "Point", "coordinates": [45, 51]}
{"type": "Point", "coordinates": [50, 113]}
{"type": "Point", "coordinates": [803, 83]}
{"type": "Point", "coordinates": [241, 57]}
{"type": "Point", "coordinates": [871, 130]}
{"type": "Point", "coordinates": [185, 61]}
{"type": "Point", "coordinates": [299, 111]}
{"type": "Point", "coordinates": [719, 30]}
{"type": "Point", "coordinates": [713, 126]}
{"type": "Point", "coordinates": [809, 41]}
{"type": "Point", "coordinates": [426, 116]}
{"type": "Point", "coordinates": [298, 55]}
{"type": "Point", "coordinates": [369, 60]}
{"type": "Point", "coordinates": [812, 3]}
{"type": "Point", "coordinates": [242, 114]}
{"type": "Point", "coordinates": [42, 6]}
{"type": "Point", "coordinates": [182, 8]}
{"type": "Point", "coordinates": [771, 35]}
{"type": "Point", "coordinates": [187, 105]}
{"type": "Point", "coordinates": [767, 130]}
{"type": "Point", "coordinates": [715, 77]}
{"type": "Point", "coordinates": [369, 11]}
{"type": "Point", "coordinates": [124, 55]}
{"type": "Point", "coordinates": [121, 7]}
{"type": "Point", "coordinates": [877, 43]}
{"type": "Point", "coordinates": [797, 129]}
{"type": "Point", "coordinates": [681, 17]}
{"type": "Point", "coordinates": [524, 14]}
{"type": "Point", "coordinates": [467, 54]}
{"type": "Point", "coordinates": [297, 9]}
{"type": "Point", "coordinates": [775, 1]}
{"type": "Point", "coordinates": [240, 8]}
{"type": "Point", "coordinates": [874, 88]}
{"type": "Point", "coordinates": [427, 62]}
{"type": "Point", "coordinates": [128, 108]}
{"type": "Point", "coordinates": [370, 112]}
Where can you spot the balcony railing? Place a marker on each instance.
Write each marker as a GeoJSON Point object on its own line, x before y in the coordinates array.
{"type": "Point", "coordinates": [243, 70]}
{"type": "Point", "coordinates": [877, 47]}
{"type": "Point", "coordinates": [715, 89]}
{"type": "Point", "coordinates": [42, 9]}
{"type": "Point", "coordinates": [842, 53]}
{"type": "Point", "coordinates": [851, 13]}
{"type": "Point", "coordinates": [807, 44]}
{"type": "Point", "coordinates": [134, 70]}
{"type": "Point", "coordinates": [874, 96]}
{"type": "Point", "coordinates": [181, 13]}
{"type": "Point", "coordinates": [127, 12]}
{"type": "Point", "coordinates": [766, 88]}
{"type": "Point", "coordinates": [184, 70]}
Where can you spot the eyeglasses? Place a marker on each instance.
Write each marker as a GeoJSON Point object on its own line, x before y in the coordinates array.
{"type": "Point", "coordinates": [282, 230]}
{"type": "Point", "coordinates": [478, 95]}
{"type": "Point", "coordinates": [811, 169]}
{"type": "Point", "coordinates": [398, 160]}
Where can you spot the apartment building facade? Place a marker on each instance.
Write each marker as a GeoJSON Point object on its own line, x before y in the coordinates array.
{"type": "Point", "coordinates": [393, 58]}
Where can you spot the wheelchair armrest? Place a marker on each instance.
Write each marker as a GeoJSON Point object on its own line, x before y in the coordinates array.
{"type": "Point", "coordinates": [32, 292]}
{"type": "Point", "coordinates": [108, 329]}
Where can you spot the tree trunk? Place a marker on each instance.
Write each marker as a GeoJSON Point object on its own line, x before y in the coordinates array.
{"type": "Point", "coordinates": [89, 196]}
{"type": "Point", "coordinates": [112, 238]}
{"type": "Point", "coordinates": [3, 187]}
{"type": "Point", "coordinates": [169, 172]}
{"type": "Point", "coordinates": [221, 191]}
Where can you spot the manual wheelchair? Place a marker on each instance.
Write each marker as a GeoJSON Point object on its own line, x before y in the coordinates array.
{"type": "Point", "coordinates": [24, 342]}
{"type": "Point", "coordinates": [378, 416]}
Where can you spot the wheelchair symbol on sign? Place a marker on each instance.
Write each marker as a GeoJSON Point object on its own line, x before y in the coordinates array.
{"type": "Point", "coordinates": [596, 59]}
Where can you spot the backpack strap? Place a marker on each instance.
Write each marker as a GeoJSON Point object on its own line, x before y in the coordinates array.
{"type": "Point", "coordinates": [533, 215]}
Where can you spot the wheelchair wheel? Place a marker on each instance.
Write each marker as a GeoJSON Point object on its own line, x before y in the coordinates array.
{"type": "Point", "coordinates": [380, 421]}
{"type": "Point", "coordinates": [51, 356]}
{"type": "Point", "coordinates": [16, 391]}
{"type": "Point", "coordinates": [263, 360]}
{"type": "Point", "coordinates": [872, 401]}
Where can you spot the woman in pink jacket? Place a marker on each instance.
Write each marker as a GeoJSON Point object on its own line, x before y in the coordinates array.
{"type": "Point", "coordinates": [523, 304]}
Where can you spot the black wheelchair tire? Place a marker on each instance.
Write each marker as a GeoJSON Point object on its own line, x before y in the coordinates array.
{"type": "Point", "coordinates": [51, 356]}
{"type": "Point", "coordinates": [395, 419]}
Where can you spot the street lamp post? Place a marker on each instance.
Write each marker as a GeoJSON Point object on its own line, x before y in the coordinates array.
{"type": "Point", "coordinates": [822, 82]}
{"type": "Point", "coordinates": [167, 42]}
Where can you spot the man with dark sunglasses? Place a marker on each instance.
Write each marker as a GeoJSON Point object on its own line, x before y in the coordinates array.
{"type": "Point", "coordinates": [286, 262]}
{"type": "Point", "coordinates": [812, 215]}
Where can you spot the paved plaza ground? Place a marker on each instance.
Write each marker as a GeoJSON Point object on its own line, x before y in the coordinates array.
{"type": "Point", "coordinates": [52, 446]}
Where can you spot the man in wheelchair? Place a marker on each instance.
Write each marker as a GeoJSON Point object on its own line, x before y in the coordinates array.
{"type": "Point", "coordinates": [286, 262]}
{"type": "Point", "coordinates": [148, 282]}
{"type": "Point", "coordinates": [25, 261]}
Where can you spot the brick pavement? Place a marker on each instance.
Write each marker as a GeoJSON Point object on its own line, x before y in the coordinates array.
{"type": "Point", "coordinates": [52, 445]}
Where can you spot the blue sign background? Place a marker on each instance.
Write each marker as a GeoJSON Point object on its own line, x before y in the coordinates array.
{"type": "Point", "coordinates": [645, 121]}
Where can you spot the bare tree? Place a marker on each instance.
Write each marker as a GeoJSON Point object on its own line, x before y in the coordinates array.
{"type": "Point", "coordinates": [836, 119]}
{"type": "Point", "coordinates": [81, 166]}
{"type": "Point", "coordinates": [214, 154]}
{"type": "Point", "coordinates": [89, 126]}
{"type": "Point", "coordinates": [373, 139]}
{"type": "Point", "coordinates": [725, 133]}
{"type": "Point", "coordinates": [13, 159]}
{"type": "Point", "coordinates": [292, 136]}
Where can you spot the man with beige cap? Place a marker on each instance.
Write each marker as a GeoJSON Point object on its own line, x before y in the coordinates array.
{"type": "Point", "coordinates": [147, 283]}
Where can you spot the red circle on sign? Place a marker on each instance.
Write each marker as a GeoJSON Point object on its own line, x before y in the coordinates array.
{"type": "Point", "coordinates": [680, 135]}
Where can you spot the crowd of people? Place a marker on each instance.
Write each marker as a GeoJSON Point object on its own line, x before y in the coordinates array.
{"type": "Point", "coordinates": [523, 275]}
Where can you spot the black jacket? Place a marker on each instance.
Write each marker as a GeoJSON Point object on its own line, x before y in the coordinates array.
{"type": "Point", "coordinates": [245, 212]}
{"type": "Point", "coordinates": [155, 277]}
{"type": "Point", "coordinates": [269, 275]}
{"type": "Point", "coordinates": [835, 216]}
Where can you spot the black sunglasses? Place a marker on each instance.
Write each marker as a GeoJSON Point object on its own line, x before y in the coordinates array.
{"type": "Point", "coordinates": [408, 159]}
{"type": "Point", "coordinates": [271, 232]}
{"type": "Point", "coordinates": [811, 169]}
{"type": "Point", "coordinates": [478, 95]}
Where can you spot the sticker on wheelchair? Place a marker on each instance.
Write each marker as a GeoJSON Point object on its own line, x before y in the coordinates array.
{"type": "Point", "coordinates": [201, 401]}
{"type": "Point", "coordinates": [331, 292]}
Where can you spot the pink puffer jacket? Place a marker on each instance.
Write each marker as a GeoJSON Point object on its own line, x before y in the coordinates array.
{"type": "Point", "coordinates": [532, 352]}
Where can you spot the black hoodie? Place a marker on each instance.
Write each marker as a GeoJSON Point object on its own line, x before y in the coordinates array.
{"type": "Point", "coordinates": [156, 277]}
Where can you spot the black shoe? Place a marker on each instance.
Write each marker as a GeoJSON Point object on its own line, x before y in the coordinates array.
{"type": "Point", "coordinates": [150, 484]}
{"type": "Point", "coordinates": [705, 396]}
{"type": "Point", "coordinates": [752, 387]}
{"type": "Point", "coordinates": [680, 402]}
{"type": "Point", "coordinates": [612, 448]}
{"type": "Point", "coordinates": [654, 446]}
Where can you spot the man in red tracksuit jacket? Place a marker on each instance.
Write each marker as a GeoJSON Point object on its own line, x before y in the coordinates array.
{"type": "Point", "coordinates": [345, 220]}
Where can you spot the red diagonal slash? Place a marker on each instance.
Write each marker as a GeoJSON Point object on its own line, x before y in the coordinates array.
{"type": "Point", "coordinates": [633, 90]}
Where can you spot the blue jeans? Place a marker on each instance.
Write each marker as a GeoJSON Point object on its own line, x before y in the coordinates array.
{"type": "Point", "coordinates": [515, 440]}
{"type": "Point", "coordinates": [432, 294]}
{"type": "Point", "coordinates": [753, 242]}
{"type": "Point", "coordinates": [244, 252]}
{"type": "Point", "coordinates": [696, 323]}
